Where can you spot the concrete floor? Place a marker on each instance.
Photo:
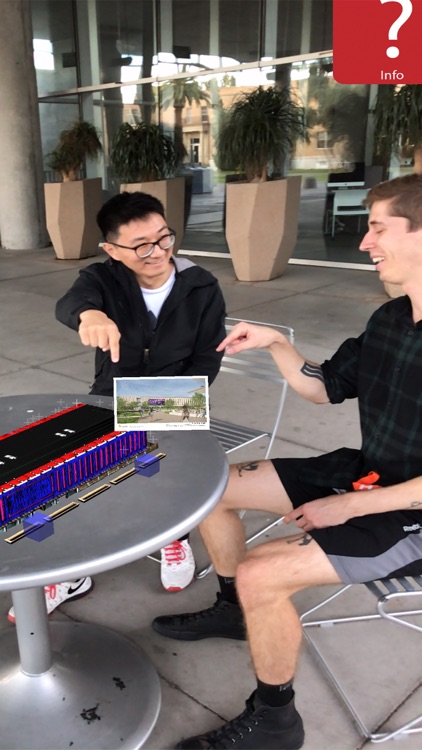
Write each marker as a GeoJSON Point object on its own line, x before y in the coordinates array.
{"type": "Point", "coordinates": [206, 682]}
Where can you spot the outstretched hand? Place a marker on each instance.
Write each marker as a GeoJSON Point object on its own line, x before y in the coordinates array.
{"type": "Point", "coordinates": [97, 330]}
{"type": "Point", "coordinates": [248, 336]}
{"type": "Point", "coordinates": [333, 510]}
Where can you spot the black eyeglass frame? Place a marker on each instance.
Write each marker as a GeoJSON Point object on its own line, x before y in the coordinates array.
{"type": "Point", "coordinates": [171, 233]}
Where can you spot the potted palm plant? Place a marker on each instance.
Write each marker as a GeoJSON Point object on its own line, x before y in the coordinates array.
{"type": "Point", "coordinates": [72, 204]}
{"type": "Point", "coordinates": [398, 132]}
{"type": "Point", "coordinates": [145, 158]}
{"type": "Point", "coordinates": [257, 135]}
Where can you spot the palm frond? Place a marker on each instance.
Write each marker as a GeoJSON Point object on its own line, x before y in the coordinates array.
{"type": "Point", "coordinates": [260, 128]}
{"type": "Point", "coordinates": [143, 153]}
{"type": "Point", "coordinates": [76, 143]}
{"type": "Point", "coordinates": [398, 119]}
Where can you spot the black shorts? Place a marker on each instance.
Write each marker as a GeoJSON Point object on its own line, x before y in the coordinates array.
{"type": "Point", "coordinates": [367, 548]}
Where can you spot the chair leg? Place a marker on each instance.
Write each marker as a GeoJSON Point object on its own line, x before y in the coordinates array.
{"type": "Point", "coordinates": [151, 557]}
{"type": "Point", "coordinates": [204, 572]}
{"type": "Point", "coordinates": [412, 727]}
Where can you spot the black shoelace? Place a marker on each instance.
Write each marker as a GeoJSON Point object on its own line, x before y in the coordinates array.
{"type": "Point", "coordinates": [235, 729]}
{"type": "Point", "coordinates": [204, 613]}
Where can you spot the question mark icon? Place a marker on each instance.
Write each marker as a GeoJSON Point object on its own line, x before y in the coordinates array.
{"type": "Point", "coordinates": [406, 12]}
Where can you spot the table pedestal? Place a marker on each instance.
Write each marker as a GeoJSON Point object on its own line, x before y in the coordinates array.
{"type": "Point", "coordinates": [100, 692]}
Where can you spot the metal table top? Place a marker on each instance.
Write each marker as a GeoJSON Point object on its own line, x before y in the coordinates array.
{"type": "Point", "coordinates": [130, 520]}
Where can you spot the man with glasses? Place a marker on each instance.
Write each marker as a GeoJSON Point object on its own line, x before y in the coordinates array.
{"type": "Point", "coordinates": [146, 313]}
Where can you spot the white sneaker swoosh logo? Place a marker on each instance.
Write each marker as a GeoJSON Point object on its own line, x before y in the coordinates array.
{"type": "Point", "coordinates": [73, 589]}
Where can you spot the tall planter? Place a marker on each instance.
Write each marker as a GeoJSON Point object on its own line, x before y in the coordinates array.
{"type": "Point", "coordinates": [171, 193]}
{"type": "Point", "coordinates": [261, 226]}
{"type": "Point", "coordinates": [71, 209]}
{"type": "Point", "coordinates": [257, 134]}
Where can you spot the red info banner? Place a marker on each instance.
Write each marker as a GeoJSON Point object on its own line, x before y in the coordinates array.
{"type": "Point", "coordinates": [377, 41]}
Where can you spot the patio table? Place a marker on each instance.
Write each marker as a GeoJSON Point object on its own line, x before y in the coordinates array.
{"type": "Point", "coordinates": [78, 685]}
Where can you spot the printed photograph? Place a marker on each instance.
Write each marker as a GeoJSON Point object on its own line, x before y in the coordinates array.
{"type": "Point", "coordinates": [176, 403]}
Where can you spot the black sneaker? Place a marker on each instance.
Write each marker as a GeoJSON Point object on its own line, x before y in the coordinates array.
{"type": "Point", "coordinates": [258, 726]}
{"type": "Point", "coordinates": [223, 620]}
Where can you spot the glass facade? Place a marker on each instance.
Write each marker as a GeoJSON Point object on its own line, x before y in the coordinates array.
{"type": "Point", "coordinates": [54, 45]}
{"type": "Point", "coordinates": [182, 63]}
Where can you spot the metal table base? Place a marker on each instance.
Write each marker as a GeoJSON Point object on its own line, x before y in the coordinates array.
{"type": "Point", "coordinates": [72, 685]}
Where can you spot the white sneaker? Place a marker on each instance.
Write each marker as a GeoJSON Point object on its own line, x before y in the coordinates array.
{"type": "Point", "coordinates": [58, 593]}
{"type": "Point", "coordinates": [177, 565]}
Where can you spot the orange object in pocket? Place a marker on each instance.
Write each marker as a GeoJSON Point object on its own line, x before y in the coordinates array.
{"type": "Point", "coordinates": [368, 482]}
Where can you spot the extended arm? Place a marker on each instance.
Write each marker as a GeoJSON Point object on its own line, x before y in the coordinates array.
{"type": "Point", "coordinates": [337, 509]}
{"type": "Point", "coordinates": [304, 377]}
{"type": "Point", "coordinates": [81, 308]}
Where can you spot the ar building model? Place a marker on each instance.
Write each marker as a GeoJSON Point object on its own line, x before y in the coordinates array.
{"type": "Point", "coordinates": [43, 461]}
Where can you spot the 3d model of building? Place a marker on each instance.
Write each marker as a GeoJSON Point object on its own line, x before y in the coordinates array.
{"type": "Point", "coordinates": [43, 461]}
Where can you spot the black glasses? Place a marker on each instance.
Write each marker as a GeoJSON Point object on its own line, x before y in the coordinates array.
{"type": "Point", "coordinates": [147, 248]}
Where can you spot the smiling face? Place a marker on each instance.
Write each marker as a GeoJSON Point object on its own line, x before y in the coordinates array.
{"type": "Point", "coordinates": [153, 271]}
{"type": "Point", "coordinates": [396, 251]}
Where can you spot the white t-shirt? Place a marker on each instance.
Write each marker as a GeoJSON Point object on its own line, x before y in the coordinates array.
{"type": "Point", "coordinates": [155, 298]}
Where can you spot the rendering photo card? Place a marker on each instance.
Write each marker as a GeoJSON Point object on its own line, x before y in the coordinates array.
{"type": "Point", "coordinates": [174, 403]}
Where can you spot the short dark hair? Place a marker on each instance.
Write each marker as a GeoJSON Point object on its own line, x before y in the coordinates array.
{"type": "Point", "coordinates": [405, 196]}
{"type": "Point", "coordinates": [124, 208]}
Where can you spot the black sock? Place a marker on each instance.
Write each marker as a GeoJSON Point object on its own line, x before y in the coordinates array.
{"type": "Point", "coordinates": [275, 695]}
{"type": "Point", "coordinates": [228, 589]}
{"type": "Point", "coordinates": [184, 538]}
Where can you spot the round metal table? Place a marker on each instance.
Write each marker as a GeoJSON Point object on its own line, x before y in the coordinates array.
{"type": "Point", "coordinates": [77, 685]}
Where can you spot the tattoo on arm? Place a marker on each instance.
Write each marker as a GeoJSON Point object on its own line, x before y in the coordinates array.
{"type": "Point", "coordinates": [415, 504]}
{"type": "Point", "coordinates": [251, 466]}
{"type": "Point", "coordinates": [302, 541]}
{"type": "Point", "coordinates": [312, 371]}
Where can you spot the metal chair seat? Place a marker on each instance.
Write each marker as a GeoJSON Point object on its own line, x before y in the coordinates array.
{"type": "Point", "coordinates": [257, 364]}
{"type": "Point", "coordinates": [233, 436]}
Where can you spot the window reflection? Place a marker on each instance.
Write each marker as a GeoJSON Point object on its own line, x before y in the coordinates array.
{"type": "Point", "coordinates": [129, 40]}
{"type": "Point", "coordinates": [54, 45]}
{"type": "Point", "coordinates": [125, 39]}
{"type": "Point", "coordinates": [55, 117]}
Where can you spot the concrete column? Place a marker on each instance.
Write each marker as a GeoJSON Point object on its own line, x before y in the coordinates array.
{"type": "Point", "coordinates": [22, 213]}
{"type": "Point", "coordinates": [305, 45]}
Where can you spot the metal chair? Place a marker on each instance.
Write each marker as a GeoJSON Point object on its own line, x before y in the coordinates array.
{"type": "Point", "coordinates": [385, 590]}
{"type": "Point", "coordinates": [260, 365]}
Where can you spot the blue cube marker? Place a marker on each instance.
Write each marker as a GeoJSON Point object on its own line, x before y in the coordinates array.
{"type": "Point", "coordinates": [147, 466]}
{"type": "Point", "coordinates": [38, 527]}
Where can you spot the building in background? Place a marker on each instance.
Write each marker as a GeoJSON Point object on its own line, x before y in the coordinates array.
{"type": "Point", "coordinates": [181, 63]}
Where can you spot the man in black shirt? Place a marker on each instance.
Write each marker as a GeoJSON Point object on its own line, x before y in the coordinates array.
{"type": "Point", "coordinates": [345, 535]}
{"type": "Point", "coordinates": [146, 313]}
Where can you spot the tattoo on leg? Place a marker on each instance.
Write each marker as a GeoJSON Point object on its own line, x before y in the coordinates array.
{"type": "Point", "coordinates": [302, 541]}
{"type": "Point", "coordinates": [251, 466]}
{"type": "Point", "coordinates": [312, 371]}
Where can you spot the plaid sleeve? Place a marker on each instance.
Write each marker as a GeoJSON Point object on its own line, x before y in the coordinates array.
{"type": "Point", "coordinates": [341, 371]}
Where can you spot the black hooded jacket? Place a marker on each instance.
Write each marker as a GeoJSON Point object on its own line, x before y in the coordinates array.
{"type": "Point", "coordinates": [189, 327]}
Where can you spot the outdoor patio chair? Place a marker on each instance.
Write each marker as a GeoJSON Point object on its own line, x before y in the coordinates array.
{"type": "Point", "coordinates": [260, 365]}
{"type": "Point", "coordinates": [407, 590]}
{"type": "Point", "coordinates": [348, 203]}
